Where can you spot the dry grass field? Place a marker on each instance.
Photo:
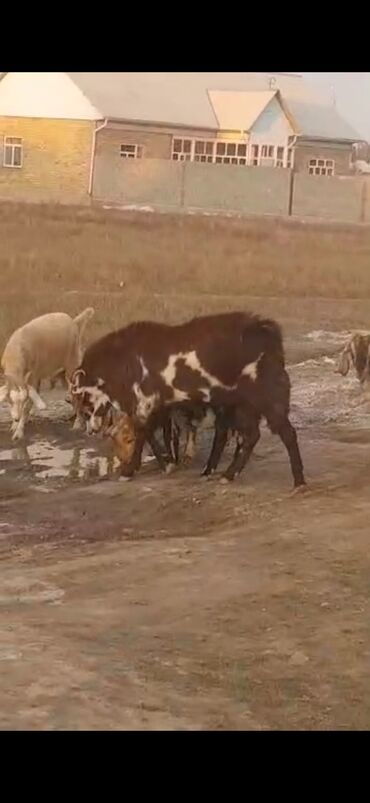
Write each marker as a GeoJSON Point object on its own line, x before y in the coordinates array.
{"type": "Point", "coordinates": [136, 265]}
{"type": "Point", "coordinates": [168, 602]}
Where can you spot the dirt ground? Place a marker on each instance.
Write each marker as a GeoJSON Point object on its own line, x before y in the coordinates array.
{"type": "Point", "coordinates": [174, 603]}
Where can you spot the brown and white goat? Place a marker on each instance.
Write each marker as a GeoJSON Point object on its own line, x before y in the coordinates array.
{"type": "Point", "coordinates": [232, 361]}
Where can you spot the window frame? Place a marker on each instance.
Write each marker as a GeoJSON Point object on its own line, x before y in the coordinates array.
{"type": "Point", "coordinates": [327, 168]}
{"type": "Point", "coordinates": [210, 154]}
{"type": "Point", "coordinates": [18, 145]}
{"type": "Point", "coordinates": [137, 153]}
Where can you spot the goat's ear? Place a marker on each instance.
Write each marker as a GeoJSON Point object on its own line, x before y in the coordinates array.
{"type": "Point", "coordinates": [35, 398]}
{"type": "Point", "coordinates": [4, 391]}
{"type": "Point", "coordinates": [344, 362]}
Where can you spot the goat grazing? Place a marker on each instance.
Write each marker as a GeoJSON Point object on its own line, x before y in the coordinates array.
{"type": "Point", "coordinates": [41, 349]}
{"type": "Point", "coordinates": [232, 360]}
{"type": "Point", "coordinates": [173, 422]}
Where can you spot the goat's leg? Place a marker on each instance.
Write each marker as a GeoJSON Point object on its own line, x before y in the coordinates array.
{"type": "Point", "coordinates": [288, 435]}
{"type": "Point", "coordinates": [176, 442]}
{"type": "Point", "coordinates": [223, 423]}
{"type": "Point", "coordinates": [157, 451]}
{"type": "Point", "coordinates": [218, 446]}
{"type": "Point", "coordinates": [79, 422]}
{"type": "Point", "coordinates": [245, 443]}
{"type": "Point", "coordinates": [171, 440]}
{"type": "Point", "coordinates": [190, 445]}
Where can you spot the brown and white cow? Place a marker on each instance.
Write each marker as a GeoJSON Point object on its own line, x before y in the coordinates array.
{"type": "Point", "coordinates": [232, 361]}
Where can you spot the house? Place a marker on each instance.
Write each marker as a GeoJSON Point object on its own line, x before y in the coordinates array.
{"type": "Point", "coordinates": [64, 136]}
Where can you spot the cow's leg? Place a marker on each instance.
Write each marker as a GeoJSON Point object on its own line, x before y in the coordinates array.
{"type": "Point", "coordinates": [245, 443]}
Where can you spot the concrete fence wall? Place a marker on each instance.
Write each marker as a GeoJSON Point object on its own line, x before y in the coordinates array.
{"type": "Point", "coordinates": [167, 185]}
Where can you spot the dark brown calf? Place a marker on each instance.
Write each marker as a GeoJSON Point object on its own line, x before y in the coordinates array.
{"type": "Point", "coordinates": [233, 361]}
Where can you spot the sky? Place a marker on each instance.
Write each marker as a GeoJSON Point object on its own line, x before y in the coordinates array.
{"type": "Point", "coordinates": [352, 94]}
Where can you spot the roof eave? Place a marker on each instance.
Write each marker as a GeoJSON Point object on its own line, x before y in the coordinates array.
{"type": "Point", "coordinates": [317, 138]}
{"type": "Point", "coordinates": [160, 124]}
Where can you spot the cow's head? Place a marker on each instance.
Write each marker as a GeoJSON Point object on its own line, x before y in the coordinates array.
{"type": "Point", "coordinates": [16, 394]}
{"type": "Point", "coordinates": [123, 436]}
{"type": "Point", "coordinates": [92, 402]}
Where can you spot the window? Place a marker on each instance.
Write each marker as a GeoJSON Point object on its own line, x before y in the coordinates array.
{"type": "Point", "coordinates": [131, 151]}
{"type": "Point", "coordinates": [181, 150]}
{"type": "Point", "coordinates": [279, 156]}
{"type": "Point", "coordinates": [13, 152]}
{"type": "Point", "coordinates": [321, 167]}
{"type": "Point", "coordinates": [209, 151]}
{"type": "Point", "coordinates": [255, 155]}
{"type": "Point", "coordinates": [270, 156]}
{"type": "Point", "coordinates": [267, 152]}
{"type": "Point", "coordinates": [231, 153]}
{"type": "Point", "coordinates": [203, 150]}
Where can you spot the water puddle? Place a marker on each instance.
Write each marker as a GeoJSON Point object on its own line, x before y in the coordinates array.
{"type": "Point", "coordinates": [48, 460]}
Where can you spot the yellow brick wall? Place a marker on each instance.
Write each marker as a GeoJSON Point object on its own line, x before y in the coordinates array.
{"type": "Point", "coordinates": [56, 160]}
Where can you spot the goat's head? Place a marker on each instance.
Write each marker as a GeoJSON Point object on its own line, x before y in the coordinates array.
{"type": "Point", "coordinates": [344, 362]}
{"type": "Point", "coordinates": [92, 402]}
{"type": "Point", "coordinates": [357, 353]}
{"type": "Point", "coordinates": [16, 395]}
{"type": "Point", "coordinates": [123, 436]}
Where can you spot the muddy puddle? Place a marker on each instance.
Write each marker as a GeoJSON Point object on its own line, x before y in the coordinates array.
{"type": "Point", "coordinates": [46, 460]}
{"type": "Point", "coordinates": [321, 400]}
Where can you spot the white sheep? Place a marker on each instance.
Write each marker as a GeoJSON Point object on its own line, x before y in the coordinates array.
{"type": "Point", "coordinates": [39, 350]}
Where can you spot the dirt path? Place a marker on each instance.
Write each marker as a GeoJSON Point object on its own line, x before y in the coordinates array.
{"type": "Point", "coordinates": [171, 602]}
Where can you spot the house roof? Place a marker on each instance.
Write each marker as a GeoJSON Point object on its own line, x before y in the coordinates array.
{"type": "Point", "coordinates": [239, 110]}
{"type": "Point", "coordinates": [184, 99]}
